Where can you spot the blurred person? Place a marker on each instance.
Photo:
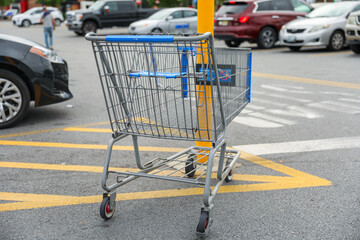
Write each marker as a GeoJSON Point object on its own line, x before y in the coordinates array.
{"type": "Point", "coordinates": [49, 26]}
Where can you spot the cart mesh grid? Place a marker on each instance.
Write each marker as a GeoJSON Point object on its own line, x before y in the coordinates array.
{"type": "Point", "coordinates": [169, 90]}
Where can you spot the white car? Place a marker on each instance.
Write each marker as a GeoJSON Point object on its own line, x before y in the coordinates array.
{"type": "Point", "coordinates": [9, 13]}
{"type": "Point", "coordinates": [171, 20]}
{"type": "Point", "coordinates": [33, 16]}
{"type": "Point", "coordinates": [324, 26]}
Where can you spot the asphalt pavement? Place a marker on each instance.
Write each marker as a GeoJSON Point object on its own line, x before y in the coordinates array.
{"type": "Point", "coordinates": [298, 176]}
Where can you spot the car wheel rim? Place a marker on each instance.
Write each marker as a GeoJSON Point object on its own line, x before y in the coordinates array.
{"type": "Point", "coordinates": [337, 41]}
{"type": "Point", "coordinates": [26, 24]}
{"type": "Point", "coordinates": [10, 100]}
{"type": "Point", "coordinates": [89, 28]}
{"type": "Point", "coordinates": [268, 38]}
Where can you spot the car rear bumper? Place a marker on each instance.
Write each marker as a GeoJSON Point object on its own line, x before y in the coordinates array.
{"type": "Point", "coordinates": [244, 32]}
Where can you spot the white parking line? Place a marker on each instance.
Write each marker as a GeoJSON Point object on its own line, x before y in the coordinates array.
{"type": "Point", "coordinates": [256, 122]}
{"type": "Point", "coordinates": [336, 107]}
{"type": "Point", "coordinates": [272, 118]}
{"type": "Point", "coordinates": [301, 146]}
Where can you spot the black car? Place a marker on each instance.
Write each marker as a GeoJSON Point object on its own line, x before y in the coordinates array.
{"type": "Point", "coordinates": [29, 72]}
{"type": "Point", "coordinates": [105, 14]}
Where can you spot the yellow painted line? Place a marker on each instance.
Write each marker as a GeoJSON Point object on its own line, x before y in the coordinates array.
{"type": "Point", "coordinates": [46, 130]}
{"type": "Point", "coordinates": [85, 146]}
{"type": "Point", "coordinates": [294, 179]}
{"type": "Point", "coordinates": [330, 54]}
{"type": "Point", "coordinates": [98, 169]}
{"type": "Point", "coordinates": [30, 133]}
{"type": "Point", "coordinates": [307, 80]}
{"type": "Point", "coordinates": [96, 130]}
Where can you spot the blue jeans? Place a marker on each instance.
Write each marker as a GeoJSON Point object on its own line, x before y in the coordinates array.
{"type": "Point", "coordinates": [48, 31]}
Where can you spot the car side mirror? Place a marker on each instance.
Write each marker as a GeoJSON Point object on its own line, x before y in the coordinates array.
{"type": "Point", "coordinates": [106, 9]}
{"type": "Point", "coordinates": [169, 18]}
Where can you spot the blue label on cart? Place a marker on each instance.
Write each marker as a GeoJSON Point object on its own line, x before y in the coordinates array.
{"type": "Point", "coordinates": [226, 74]}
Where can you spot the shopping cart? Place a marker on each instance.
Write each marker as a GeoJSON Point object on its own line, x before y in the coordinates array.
{"type": "Point", "coordinates": [178, 88]}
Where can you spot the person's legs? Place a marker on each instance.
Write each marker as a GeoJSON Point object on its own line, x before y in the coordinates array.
{"type": "Point", "coordinates": [46, 33]}
{"type": "Point", "coordinates": [51, 37]}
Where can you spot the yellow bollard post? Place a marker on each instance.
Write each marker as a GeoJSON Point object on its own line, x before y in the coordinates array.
{"type": "Point", "coordinates": [205, 23]}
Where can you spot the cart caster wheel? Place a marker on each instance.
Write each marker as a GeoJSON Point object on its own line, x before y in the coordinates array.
{"type": "Point", "coordinates": [190, 166]}
{"type": "Point", "coordinates": [229, 177]}
{"type": "Point", "coordinates": [105, 211]}
{"type": "Point", "coordinates": [204, 223]}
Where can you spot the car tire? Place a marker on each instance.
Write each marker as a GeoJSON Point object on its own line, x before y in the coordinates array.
{"type": "Point", "coordinates": [89, 26]}
{"type": "Point", "coordinates": [233, 43]}
{"type": "Point", "coordinates": [14, 99]}
{"type": "Point", "coordinates": [26, 23]}
{"type": "Point", "coordinates": [336, 41]}
{"type": "Point", "coordinates": [355, 48]}
{"type": "Point", "coordinates": [294, 49]}
{"type": "Point", "coordinates": [57, 22]}
{"type": "Point", "coordinates": [267, 38]}
{"type": "Point", "coordinates": [157, 31]}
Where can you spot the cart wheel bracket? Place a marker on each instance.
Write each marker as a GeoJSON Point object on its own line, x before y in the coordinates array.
{"type": "Point", "coordinates": [112, 197]}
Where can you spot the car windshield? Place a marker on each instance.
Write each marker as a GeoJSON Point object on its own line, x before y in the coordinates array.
{"type": "Point", "coordinates": [159, 15]}
{"type": "Point", "coordinates": [233, 8]}
{"type": "Point", "coordinates": [329, 10]}
{"type": "Point", "coordinates": [96, 5]}
{"type": "Point", "coordinates": [30, 11]}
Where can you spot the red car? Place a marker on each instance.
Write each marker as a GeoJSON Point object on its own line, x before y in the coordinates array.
{"type": "Point", "coordinates": [256, 20]}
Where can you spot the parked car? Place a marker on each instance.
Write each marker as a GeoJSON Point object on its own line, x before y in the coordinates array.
{"type": "Point", "coordinates": [352, 31]}
{"type": "Point", "coordinates": [8, 14]}
{"type": "Point", "coordinates": [105, 14]}
{"type": "Point", "coordinates": [29, 72]}
{"type": "Point", "coordinates": [171, 20]}
{"type": "Point", "coordinates": [325, 26]}
{"type": "Point", "coordinates": [33, 16]}
{"type": "Point", "coordinates": [256, 20]}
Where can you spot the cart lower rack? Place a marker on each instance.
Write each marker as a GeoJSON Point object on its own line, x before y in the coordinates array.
{"type": "Point", "coordinates": [178, 88]}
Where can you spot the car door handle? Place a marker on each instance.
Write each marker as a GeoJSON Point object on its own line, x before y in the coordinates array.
{"type": "Point", "coordinates": [275, 16]}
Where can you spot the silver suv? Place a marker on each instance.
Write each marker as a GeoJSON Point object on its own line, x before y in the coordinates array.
{"type": "Point", "coordinates": [352, 31]}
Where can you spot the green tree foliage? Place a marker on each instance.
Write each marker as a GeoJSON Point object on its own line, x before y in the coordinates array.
{"type": "Point", "coordinates": [5, 3]}
{"type": "Point", "coordinates": [53, 3]}
{"type": "Point", "coordinates": [165, 3]}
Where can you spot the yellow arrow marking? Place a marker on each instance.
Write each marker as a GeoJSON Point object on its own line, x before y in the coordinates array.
{"type": "Point", "coordinates": [295, 179]}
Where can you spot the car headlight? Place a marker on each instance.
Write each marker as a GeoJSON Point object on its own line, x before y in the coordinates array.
{"type": "Point", "coordinates": [46, 53]}
{"type": "Point", "coordinates": [142, 25]}
{"type": "Point", "coordinates": [319, 27]}
{"type": "Point", "coordinates": [352, 20]}
{"type": "Point", "coordinates": [283, 28]}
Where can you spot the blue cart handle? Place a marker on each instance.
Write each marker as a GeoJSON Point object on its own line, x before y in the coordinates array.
{"type": "Point", "coordinates": [145, 38]}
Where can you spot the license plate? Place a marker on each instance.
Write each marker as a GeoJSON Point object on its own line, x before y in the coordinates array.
{"type": "Point", "coordinates": [291, 39]}
{"type": "Point", "coordinates": [223, 23]}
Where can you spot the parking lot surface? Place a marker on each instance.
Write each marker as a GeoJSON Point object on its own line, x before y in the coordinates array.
{"type": "Point", "coordinates": [298, 176]}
